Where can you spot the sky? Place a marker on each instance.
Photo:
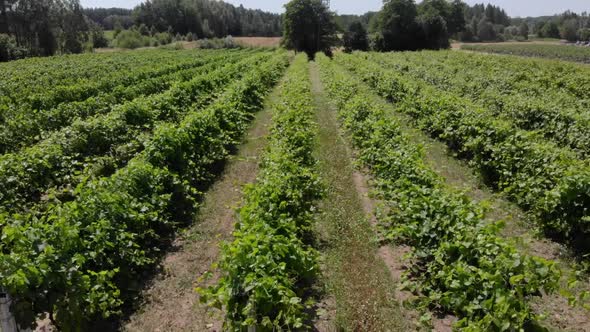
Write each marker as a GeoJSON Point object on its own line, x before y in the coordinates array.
{"type": "Point", "coordinates": [513, 7]}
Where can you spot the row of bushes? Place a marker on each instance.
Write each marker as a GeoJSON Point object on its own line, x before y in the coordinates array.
{"type": "Point", "coordinates": [58, 107]}
{"type": "Point", "coordinates": [84, 259]}
{"type": "Point", "coordinates": [55, 161]}
{"type": "Point", "coordinates": [549, 181]}
{"type": "Point", "coordinates": [537, 100]}
{"type": "Point", "coordinates": [269, 264]}
{"type": "Point", "coordinates": [132, 39]}
{"type": "Point", "coordinates": [459, 264]}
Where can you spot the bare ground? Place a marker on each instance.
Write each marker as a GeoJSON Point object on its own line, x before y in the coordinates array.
{"type": "Point", "coordinates": [171, 303]}
{"type": "Point", "coordinates": [259, 41]}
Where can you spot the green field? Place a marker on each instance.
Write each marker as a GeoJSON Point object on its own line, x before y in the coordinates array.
{"type": "Point", "coordinates": [253, 188]}
{"type": "Point", "coordinates": [551, 51]}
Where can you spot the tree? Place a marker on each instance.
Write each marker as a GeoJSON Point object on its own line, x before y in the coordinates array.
{"type": "Point", "coordinates": [118, 28]}
{"type": "Point", "coordinates": [143, 30]}
{"type": "Point", "coordinates": [452, 13]}
{"type": "Point", "coordinates": [396, 26]}
{"type": "Point", "coordinates": [538, 28]}
{"type": "Point", "coordinates": [205, 18]}
{"type": "Point", "coordinates": [355, 38]}
{"type": "Point", "coordinates": [456, 21]}
{"type": "Point", "coordinates": [550, 30]}
{"type": "Point", "coordinates": [485, 30]}
{"type": "Point", "coordinates": [523, 30]}
{"type": "Point", "coordinates": [474, 28]}
{"type": "Point", "coordinates": [401, 25]}
{"type": "Point", "coordinates": [569, 30]}
{"type": "Point", "coordinates": [74, 27]}
{"type": "Point", "coordinates": [97, 35]}
{"type": "Point", "coordinates": [433, 32]}
{"type": "Point", "coordinates": [308, 27]}
{"type": "Point", "coordinates": [4, 17]}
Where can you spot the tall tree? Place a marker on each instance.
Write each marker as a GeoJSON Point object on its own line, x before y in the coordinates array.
{"type": "Point", "coordinates": [523, 30]}
{"type": "Point", "coordinates": [397, 27]}
{"type": "Point", "coordinates": [456, 21]}
{"type": "Point", "coordinates": [308, 26]}
{"type": "Point", "coordinates": [355, 38]}
{"type": "Point", "coordinates": [433, 32]}
{"type": "Point", "coordinates": [569, 30]}
{"type": "Point", "coordinates": [3, 16]}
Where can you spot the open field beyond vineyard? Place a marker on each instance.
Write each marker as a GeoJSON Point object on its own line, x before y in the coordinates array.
{"type": "Point", "coordinates": [252, 189]}
{"type": "Point", "coordinates": [536, 49]}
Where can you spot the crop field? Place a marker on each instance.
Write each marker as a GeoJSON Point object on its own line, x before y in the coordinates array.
{"type": "Point", "coordinates": [253, 189]}
{"type": "Point", "coordinates": [550, 51]}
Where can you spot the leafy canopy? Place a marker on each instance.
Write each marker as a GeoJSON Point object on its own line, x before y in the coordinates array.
{"type": "Point", "coordinates": [308, 26]}
{"type": "Point", "coordinates": [355, 38]}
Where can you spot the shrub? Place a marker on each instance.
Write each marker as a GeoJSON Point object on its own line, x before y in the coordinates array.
{"type": "Point", "coordinates": [229, 42]}
{"type": "Point", "coordinates": [131, 39]}
{"type": "Point", "coordinates": [163, 38]}
{"type": "Point", "coordinates": [218, 43]}
{"type": "Point", "coordinates": [99, 40]}
{"type": "Point", "coordinates": [584, 34]}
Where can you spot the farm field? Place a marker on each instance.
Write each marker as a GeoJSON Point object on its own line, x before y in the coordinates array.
{"type": "Point", "coordinates": [541, 50]}
{"type": "Point", "coordinates": [195, 190]}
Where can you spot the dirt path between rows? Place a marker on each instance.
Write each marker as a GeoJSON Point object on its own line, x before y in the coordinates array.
{"type": "Point", "coordinates": [363, 292]}
{"type": "Point", "coordinates": [171, 303]}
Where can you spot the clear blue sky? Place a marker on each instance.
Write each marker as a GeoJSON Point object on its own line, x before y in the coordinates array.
{"type": "Point", "coordinates": [514, 7]}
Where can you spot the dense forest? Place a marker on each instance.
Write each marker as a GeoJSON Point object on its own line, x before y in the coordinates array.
{"type": "Point", "coordinates": [109, 18]}
{"type": "Point", "coordinates": [48, 27]}
{"type": "Point", "coordinates": [206, 18]}
{"type": "Point", "coordinates": [484, 23]}
{"type": "Point", "coordinates": [42, 27]}
{"type": "Point", "coordinates": [479, 22]}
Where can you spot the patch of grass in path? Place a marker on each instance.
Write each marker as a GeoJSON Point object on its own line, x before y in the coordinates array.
{"type": "Point", "coordinates": [361, 285]}
{"type": "Point", "coordinates": [171, 303]}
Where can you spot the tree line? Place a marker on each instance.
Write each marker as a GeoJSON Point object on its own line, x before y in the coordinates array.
{"type": "Point", "coordinates": [203, 18]}
{"type": "Point", "coordinates": [401, 25]}
{"type": "Point", "coordinates": [42, 28]}
{"type": "Point", "coordinates": [110, 18]}
{"type": "Point", "coordinates": [568, 25]}
{"type": "Point", "coordinates": [48, 27]}
{"type": "Point", "coordinates": [206, 18]}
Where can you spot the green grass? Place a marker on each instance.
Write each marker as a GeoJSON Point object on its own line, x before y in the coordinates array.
{"type": "Point", "coordinates": [362, 286]}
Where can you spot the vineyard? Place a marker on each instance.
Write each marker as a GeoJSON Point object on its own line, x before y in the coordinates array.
{"type": "Point", "coordinates": [342, 218]}
{"type": "Point", "coordinates": [550, 51]}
